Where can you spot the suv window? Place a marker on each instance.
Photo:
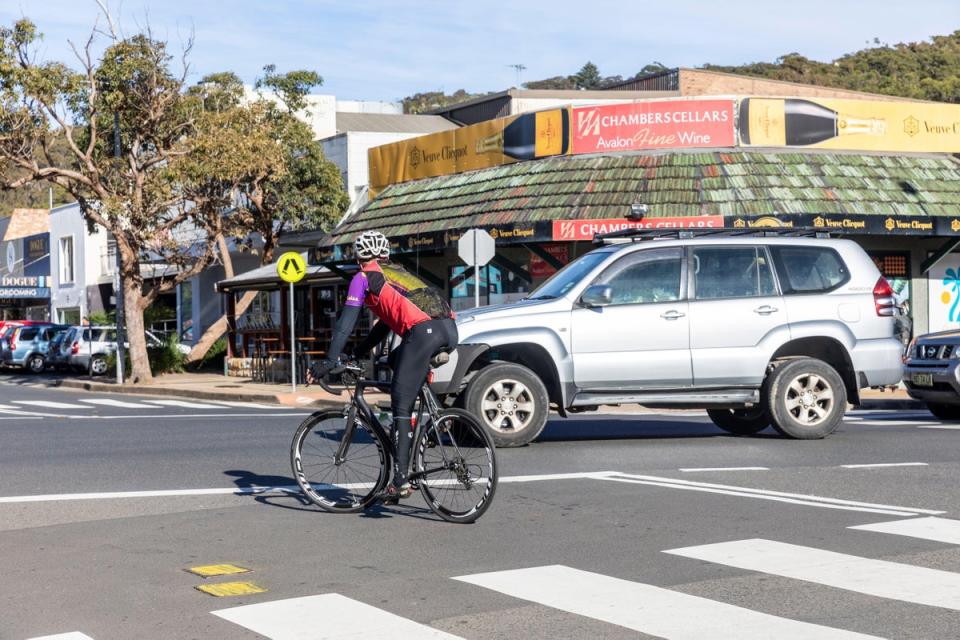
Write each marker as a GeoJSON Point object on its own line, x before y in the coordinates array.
{"type": "Point", "coordinates": [27, 333]}
{"type": "Point", "coordinates": [809, 269]}
{"type": "Point", "coordinates": [732, 272]}
{"type": "Point", "coordinates": [645, 276]}
{"type": "Point", "coordinates": [562, 281]}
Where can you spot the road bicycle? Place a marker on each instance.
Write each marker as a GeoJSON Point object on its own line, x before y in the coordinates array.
{"type": "Point", "coordinates": [342, 459]}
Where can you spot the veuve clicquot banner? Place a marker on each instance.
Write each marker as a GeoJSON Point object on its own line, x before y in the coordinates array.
{"type": "Point", "coordinates": [856, 125]}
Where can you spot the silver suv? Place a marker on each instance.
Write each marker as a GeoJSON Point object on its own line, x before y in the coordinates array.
{"type": "Point", "coordinates": [757, 330]}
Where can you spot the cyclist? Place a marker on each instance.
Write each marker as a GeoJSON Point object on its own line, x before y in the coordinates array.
{"type": "Point", "coordinates": [413, 311]}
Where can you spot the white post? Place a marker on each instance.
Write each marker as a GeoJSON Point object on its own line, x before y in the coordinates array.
{"type": "Point", "coordinates": [293, 346]}
{"type": "Point", "coordinates": [476, 274]}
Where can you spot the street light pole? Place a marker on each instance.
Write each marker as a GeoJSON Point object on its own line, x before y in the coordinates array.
{"type": "Point", "coordinates": [118, 279]}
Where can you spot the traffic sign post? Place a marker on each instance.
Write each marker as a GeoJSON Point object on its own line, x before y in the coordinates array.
{"type": "Point", "coordinates": [291, 267]}
{"type": "Point", "coordinates": [476, 247]}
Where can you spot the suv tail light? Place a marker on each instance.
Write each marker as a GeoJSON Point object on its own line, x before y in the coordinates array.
{"type": "Point", "coordinates": [883, 298]}
{"type": "Point", "coordinates": [13, 345]}
{"type": "Point", "coordinates": [75, 349]}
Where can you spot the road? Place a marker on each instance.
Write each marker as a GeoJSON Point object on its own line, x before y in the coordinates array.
{"type": "Point", "coordinates": [612, 526]}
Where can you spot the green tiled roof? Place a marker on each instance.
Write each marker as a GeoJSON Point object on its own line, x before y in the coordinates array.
{"type": "Point", "coordinates": [672, 184]}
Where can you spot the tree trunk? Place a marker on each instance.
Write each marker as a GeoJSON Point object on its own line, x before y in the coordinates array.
{"type": "Point", "coordinates": [136, 337]}
{"type": "Point", "coordinates": [215, 331]}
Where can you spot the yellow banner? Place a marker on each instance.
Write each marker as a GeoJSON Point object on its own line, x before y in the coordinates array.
{"type": "Point", "coordinates": [478, 146]}
{"type": "Point", "coordinates": [856, 125]}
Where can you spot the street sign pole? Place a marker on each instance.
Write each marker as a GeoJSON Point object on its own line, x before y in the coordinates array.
{"type": "Point", "coordinates": [476, 248]}
{"type": "Point", "coordinates": [476, 273]}
{"type": "Point", "coordinates": [293, 346]}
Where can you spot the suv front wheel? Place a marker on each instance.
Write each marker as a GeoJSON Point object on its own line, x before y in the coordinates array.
{"type": "Point", "coordinates": [806, 398]}
{"type": "Point", "coordinates": [510, 401]}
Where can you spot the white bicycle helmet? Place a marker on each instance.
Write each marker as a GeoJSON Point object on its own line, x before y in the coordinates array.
{"type": "Point", "coordinates": [371, 244]}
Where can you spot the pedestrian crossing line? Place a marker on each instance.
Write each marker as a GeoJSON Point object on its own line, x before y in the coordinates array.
{"type": "Point", "coordinates": [648, 609]}
{"type": "Point", "coordinates": [109, 402]}
{"type": "Point", "coordinates": [255, 405]}
{"type": "Point", "coordinates": [186, 404]}
{"type": "Point", "coordinates": [764, 494]}
{"type": "Point", "coordinates": [330, 616]}
{"type": "Point", "coordinates": [881, 578]}
{"type": "Point", "coordinates": [932, 528]}
{"type": "Point", "coordinates": [73, 635]}
{"type": "Point", "coordinates": [49, 404]}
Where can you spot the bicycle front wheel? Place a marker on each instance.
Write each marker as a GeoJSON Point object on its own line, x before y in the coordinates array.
{"type": "Point", "coordinates": [457, 465]}
{"type": "Point", "coordinates": [342, 486]}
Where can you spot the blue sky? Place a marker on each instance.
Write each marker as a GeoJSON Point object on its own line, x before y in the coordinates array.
{"type": "Point", "coordinates": [384, 50]}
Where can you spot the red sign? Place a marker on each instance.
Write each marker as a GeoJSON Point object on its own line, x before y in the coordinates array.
{"type": "Point", "coordinates": [653, 125]}
{"type": "Point", "coordinates": [586, 229]}
{"type": "Point", "coordinates": [540, 268]}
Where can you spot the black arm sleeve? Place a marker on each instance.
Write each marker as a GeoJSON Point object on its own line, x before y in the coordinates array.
{"type": "Point", "coordinates": [377, 335]}
{"type": "Point", "coordinates": [341, 333]}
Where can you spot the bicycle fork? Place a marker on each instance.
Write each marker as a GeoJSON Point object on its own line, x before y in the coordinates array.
{"type": "Point", "coordinates": [344, 447]}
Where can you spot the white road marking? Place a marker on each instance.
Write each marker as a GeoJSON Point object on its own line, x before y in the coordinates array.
{"type": "Point", "coordinates": [240, 491]}
{"type": "Point", "coordinates": [177, 416]}
{"type": "Point", "coordinates": [185, 404]}
{"type": "Point", "coordinates": [931, 528]}
{"type": "Point", "coordinates": [692, 470]}
{"type": "Point", "coordinates": [895, 423]}
{"type": "Point", "coordinates": [48, 404]}
{"type": "Point", "coordinates": [330, 616]}
{"type": "Point", "coordinates": [252, 405]}
{"type": "Point", "coordinates": [763, 494]}
{"type": "Point", "coordinates": [879, 465]}
{"type": "Point", "coordinates": [109, 402]}
{"type": "Point", "coordinates": [648, 609]}
{"type": "Point", "coordinates": [73, 635]}
{"type": "Point", "coordinates": [947, 427]}
{"type": "Point", "coordinates": [880, 578]}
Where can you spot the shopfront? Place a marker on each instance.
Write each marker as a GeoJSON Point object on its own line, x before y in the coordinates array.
{"type": "Point", "coordinates": [25, 267]}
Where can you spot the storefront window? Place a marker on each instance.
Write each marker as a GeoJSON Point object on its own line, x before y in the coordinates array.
{"type": "Point", "coordinates": [185, 312]}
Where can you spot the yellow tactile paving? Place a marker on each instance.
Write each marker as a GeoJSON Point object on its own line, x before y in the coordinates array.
{"type": "Point", "coordinates": [211, 570]}
{"type": "Point", "coordinates": [231, 589]}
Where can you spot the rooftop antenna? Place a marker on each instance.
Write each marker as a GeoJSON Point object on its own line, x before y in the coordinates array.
{"type": "Point", "coordinates": [518, 68]}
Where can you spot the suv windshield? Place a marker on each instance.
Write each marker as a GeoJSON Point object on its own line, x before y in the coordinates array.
{"type": "Point", "coordinates": [562, 281]}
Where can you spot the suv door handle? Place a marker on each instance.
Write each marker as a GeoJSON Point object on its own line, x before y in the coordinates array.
{"type": "Point", "coordinates": [672, 315]}
{"type": "Point", "coordinates": [765, 310]}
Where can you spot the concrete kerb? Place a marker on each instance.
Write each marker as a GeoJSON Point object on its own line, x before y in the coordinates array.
{"type": "Point", "coordinates": [198, 394]}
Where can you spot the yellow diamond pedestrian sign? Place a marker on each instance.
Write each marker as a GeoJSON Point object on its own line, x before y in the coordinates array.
{"type": "Point", "coordinates": [291, 267]}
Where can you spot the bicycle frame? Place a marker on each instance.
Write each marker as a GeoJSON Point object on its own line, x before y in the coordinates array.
{"type": "Point", "coordinates": [428, 411]}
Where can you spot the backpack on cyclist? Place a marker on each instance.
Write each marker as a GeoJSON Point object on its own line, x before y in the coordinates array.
{"type": "Point", "coordinates": [429, 299]}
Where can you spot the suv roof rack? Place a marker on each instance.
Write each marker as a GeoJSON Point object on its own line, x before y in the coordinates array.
{"type": "Point", "coordinates": [639, 235]}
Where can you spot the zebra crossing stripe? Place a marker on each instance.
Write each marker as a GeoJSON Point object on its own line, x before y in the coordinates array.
{"type": "Point", "coordinates": [646, 608]}
{"type": "Point", "coordinates": [49, 404]}
{"type": "Point", "coordinates": [330, 616]}
{"type": "Point", "coordinates": [937, 529]}
{"type": "Point", "coordinates": [73, 635]}
{"type": "Point", "coordinates": [185, 404]}
{"type": "Point", "coordinates": [109, 402]}
{"type": "Point", "coordinates": [880, 578]}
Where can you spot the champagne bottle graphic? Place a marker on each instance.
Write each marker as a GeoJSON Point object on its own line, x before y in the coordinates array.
{"type": "Point", "coordinates": [778, 122]}
{"type": "Point", "coordinates": [531, 135]}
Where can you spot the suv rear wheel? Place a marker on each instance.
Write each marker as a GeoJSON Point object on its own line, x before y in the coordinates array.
{"type": "Point", "coordinates": [99, 365]}
{"type": "Point", "coordinates": [36, 363]}
{"type": "Point", "coordinates": [806, 398]}
{"type": "Point", "coordinates": [510, 401]}
{"type": "Point", "coordinates": [741, 422]}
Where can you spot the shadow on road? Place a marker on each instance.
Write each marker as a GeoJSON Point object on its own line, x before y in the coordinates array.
{"type": "Point", "coordinates": [636, 427]}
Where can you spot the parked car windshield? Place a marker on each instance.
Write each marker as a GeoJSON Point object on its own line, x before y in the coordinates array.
{"type": "Point", "coordinates": [562, 281]}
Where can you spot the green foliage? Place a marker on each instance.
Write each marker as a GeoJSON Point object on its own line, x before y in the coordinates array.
{"type": "Point", "coordinates": [588, 77]}
{"type": "Point", "coordinates": [291, 87]}
{"type": "Point", "coordinates": [218, 92]}
{"type": "Point", "coordinates": [922, 70]}
{"type": "Point", "coordinates": [430, 100]}
{"type": "Point", "coordinates": [166, 359]}
{"type": "Point", "coordinates": [103, 318]}
{"type": "Point", "coordinates": [213, 358]}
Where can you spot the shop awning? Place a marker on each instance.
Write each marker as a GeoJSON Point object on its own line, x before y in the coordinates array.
{"type": "Point", "coordinates": [526, 201]}
{"type": "Point", "coordinates": [265, 278]}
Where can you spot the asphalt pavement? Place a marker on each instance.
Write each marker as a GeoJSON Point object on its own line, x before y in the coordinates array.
{"type": "Point", "coordinates": [611, 526]}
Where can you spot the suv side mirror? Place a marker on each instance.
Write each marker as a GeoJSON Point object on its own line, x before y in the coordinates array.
{"type": "Point", "coordinates": [597, 295]}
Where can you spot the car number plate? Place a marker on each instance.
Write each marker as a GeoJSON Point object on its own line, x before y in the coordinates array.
{"type": "Point", "coordinates": [923, 379]}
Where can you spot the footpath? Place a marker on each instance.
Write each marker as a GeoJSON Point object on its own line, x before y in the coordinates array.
{"type": "Point", "coordinates": [213, 386]}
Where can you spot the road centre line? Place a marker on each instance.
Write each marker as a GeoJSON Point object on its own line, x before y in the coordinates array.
{"type": "Point", "coordinates": [945, 427]}
{"type": "Point", "coordinates": [879, 465]}
{"type": "Point", "coordinates": [881, 578]}
{"type": "Point", "coordinates": [73, 635]}
{"type": "Point", "coordinates": [930, 528]}
{"type": "Point", "coordinates": [242, 491]}
{"type": "Point", "coordinates": [646, 608]}
{"type": "Point", "coordinates": [763, 494]}
{"type": "Point", "coordinates": [693, 470]}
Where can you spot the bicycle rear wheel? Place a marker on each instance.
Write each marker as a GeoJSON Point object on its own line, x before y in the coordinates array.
{"type": "Point", "coordinates": [456, 456]}
{"type": "Point", "coordinates": [351, 485]}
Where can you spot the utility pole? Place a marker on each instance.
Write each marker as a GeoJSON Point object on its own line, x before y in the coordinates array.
{"type": "Point", "coordinates": [118, 278]}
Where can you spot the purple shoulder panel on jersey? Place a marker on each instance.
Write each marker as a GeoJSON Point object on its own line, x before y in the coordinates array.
{"type": "Point", "coordinates": [357, 291]}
